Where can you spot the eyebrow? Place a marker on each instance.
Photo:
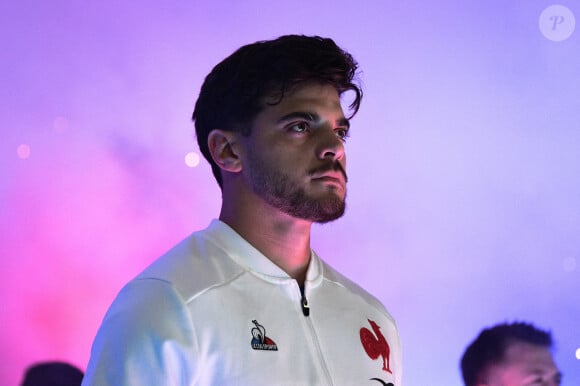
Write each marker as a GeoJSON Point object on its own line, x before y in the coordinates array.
{"type": "Point", "coordinates": [312, 117]}
{"type": "Point", "coordinates": [536, 374]}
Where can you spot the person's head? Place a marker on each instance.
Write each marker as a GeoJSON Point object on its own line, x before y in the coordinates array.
{"type": "Point", "coordinates": [515, 354]}
{"type": "Point", "coordinates": [262, 74]}
{"type": "Point", "coordinates": [52, 374]}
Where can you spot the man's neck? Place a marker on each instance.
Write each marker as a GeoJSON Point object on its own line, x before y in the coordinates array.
{"type": "Point", "coordinates": [283, 239]}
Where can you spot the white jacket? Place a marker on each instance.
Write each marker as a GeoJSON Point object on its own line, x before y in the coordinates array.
{"type": "Point", "coordinates": [215, 311]}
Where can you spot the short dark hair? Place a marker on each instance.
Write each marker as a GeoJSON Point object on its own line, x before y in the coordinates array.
{"type": "Point", "coordinates": [490, 346]}
{"type": "Point", "coordinates": [54, 373]}
{"type": "Point", "coordinates": [235, 90]}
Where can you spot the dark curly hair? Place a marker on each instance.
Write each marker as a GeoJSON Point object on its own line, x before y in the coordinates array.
{"type": "Point", "coordinates": [235, 91]}
{"type": "Point", "coordinates": [492, 343]}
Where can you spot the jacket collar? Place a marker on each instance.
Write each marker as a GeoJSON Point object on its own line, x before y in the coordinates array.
{"type": "Point", "coordinates": [244, 254]}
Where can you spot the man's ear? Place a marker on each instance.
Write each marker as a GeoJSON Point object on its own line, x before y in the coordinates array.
{"type": "Point", "coordinates": [223, 147]}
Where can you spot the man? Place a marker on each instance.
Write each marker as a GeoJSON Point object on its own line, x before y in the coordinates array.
{"type": "Point", "coordinates": [246, 301]}
{"type": "Point", "coordinates": [52, 373]}
{"type": "Point", "coordinates": [514, 354]}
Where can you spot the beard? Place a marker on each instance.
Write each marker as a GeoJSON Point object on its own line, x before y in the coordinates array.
{"type": "Point", "coordinates": [281, 192]}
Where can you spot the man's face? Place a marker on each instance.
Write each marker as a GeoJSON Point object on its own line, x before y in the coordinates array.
{"type": "Point", "coordinates": [295, 158]}
{"type": "Point", "coordinates": [525, 365]}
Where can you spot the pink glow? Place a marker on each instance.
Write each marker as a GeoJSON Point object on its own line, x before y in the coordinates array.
{"type": "Point", "coordinates": [464, 164]}
{"type": "Point", "coordinates": [23, 151]}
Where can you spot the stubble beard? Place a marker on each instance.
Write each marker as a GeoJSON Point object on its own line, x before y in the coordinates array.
{"type": "Point", "coordinates": [279, 191]}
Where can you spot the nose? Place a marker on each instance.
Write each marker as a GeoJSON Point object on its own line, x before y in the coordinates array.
{"type": "Point", "coordinates": [330, 145]}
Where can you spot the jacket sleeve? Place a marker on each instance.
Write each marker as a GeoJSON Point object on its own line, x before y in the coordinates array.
{"type": "Point", "coordinates": [146, 338]}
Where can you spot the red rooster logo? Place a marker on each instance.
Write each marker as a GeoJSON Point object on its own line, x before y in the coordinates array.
{"type": "Point", "coordinates": [376, 346]}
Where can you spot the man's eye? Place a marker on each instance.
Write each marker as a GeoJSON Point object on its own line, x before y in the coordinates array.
{"type": "Point", "coordinates": [342, 134]}
{"type": "Point", "coordinates": [299, 127]}
{"type": "Point", "coordinates": [535, 382]}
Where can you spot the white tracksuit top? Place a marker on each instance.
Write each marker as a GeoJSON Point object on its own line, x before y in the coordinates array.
{"type": "Point", "coordinates": [215, 311]}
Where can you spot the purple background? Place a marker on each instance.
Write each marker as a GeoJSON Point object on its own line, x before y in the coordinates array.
{"type": "Point", "coordinates": [464, 164]}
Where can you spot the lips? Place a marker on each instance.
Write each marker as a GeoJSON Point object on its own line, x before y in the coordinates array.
{"type": "Point", "coordinates": [338, 177]}
{"type": "Point", "coordinates": [335, 179]}
{"type": "Point", "coordinates": [330, 172]}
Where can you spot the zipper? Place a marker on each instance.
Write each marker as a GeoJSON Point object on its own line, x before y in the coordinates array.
{"type": "Point", "coordinates": [304, 302]}
{"type": "Point", "coordinates": [313, 338]}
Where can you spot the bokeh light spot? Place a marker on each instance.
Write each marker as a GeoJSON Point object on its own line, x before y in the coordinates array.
{"type": "Point", "coordinates": [60, 124]}
{"type": "Point", "coordinates": [23, 151]}
{"type": "Point", "coordinates": [192, 159]}
{"type": "Point", "coordinates": [557, 23]}
{"type": "Point", "coordinates": [578, 353]}
{"type": "Point", "coordinates": [569, 264]}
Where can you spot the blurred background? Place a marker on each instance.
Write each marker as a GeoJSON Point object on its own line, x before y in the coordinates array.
{"type": "Point", "coordinates": [464, 163]}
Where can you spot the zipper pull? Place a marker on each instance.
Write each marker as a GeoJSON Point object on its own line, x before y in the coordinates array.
{"type": "Point", "coordinates": [304, 303]}
{"type": "Point", "coordinates": [305, 306]}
